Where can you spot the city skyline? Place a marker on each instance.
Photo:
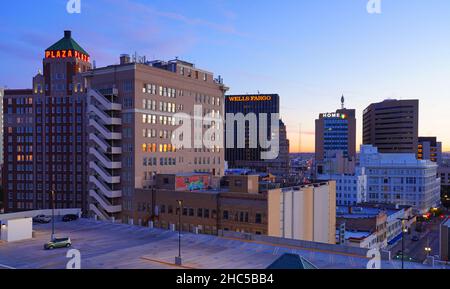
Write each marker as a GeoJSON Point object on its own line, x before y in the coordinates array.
{"type": "Point", "coordinates": [400, 53]}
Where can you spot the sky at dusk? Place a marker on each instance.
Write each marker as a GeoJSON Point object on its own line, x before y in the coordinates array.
{"type": "Point", "coordinates": [310, 52]}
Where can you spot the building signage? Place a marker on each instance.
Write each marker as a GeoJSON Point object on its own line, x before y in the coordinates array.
{"type": "Point", "coordinates": [191, 183]}
{"type": "Point", "coordinates": [334, 115]}
{"type": "Point", "coordinates": [248, 98]}
{"type": "Point", "coordinates": [66, 54]}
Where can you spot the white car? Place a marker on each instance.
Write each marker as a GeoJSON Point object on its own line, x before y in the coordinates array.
{"type": "Point", "coordinates": [42, 219]}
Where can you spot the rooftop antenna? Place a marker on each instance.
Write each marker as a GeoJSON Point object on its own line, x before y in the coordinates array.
{"type": "Point", "coordinates": [94, 64]}
{"type": "Point", "coordinates": [342, 102]}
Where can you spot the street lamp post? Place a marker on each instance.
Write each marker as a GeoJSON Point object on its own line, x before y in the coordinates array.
{"type": "Point", "coordinates": [178, 260]}
{"type": "Point", "coordinates": [53, 214]}
{"type": "Point", "coordinates": [428, 248]}
{"type": "Point", "coordinates": [404, 230]}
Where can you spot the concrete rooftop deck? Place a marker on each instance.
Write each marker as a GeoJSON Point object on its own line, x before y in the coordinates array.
{"type": "Point", "coordinates": [117, 246]}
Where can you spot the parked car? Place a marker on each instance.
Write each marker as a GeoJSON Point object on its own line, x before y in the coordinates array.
{"type": "Point", "coordinates": [58, 243]}
{"type": "Point", "coordinates": [70, 218]}
{"type": "Point", "coordinates": [415, 238]}
{"type": "Point", "coordinates": [42, 219]}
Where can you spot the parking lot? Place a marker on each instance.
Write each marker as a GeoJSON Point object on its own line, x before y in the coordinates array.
{"type": "Point", "coordinates": [117, 246]}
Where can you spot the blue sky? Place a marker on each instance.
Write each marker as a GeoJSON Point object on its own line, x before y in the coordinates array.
{"type": "Point", "coordinates": [308, 51]}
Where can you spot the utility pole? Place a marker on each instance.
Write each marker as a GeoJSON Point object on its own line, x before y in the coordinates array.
{"type": "Point", "coordinates": [178, 260]}
{"type": "Point", "coordinates": [53, 214]}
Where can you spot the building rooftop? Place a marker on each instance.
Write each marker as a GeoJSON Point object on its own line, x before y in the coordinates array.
{"type": "Point", "coordinates": [291, 261]}
{"type": "Point", "coordinates": [117, 246]}
{"type": "Point", "coordinates": [366, 210]}
{"type": "Point", "coordinates": [66, 43]}
{"type": "Point", "coordinates": [356, 235]}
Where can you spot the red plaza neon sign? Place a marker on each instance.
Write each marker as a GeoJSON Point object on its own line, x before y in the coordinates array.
{"type": "Point", "coordinates": [67, 54]}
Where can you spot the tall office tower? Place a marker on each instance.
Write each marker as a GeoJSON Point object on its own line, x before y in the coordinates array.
{"type": "Point", "coordinates": [429, 149]}
{"type": "Point", "coordinates": [44, 142]}
{"type": "Point", "coordinates": [392, 126]}
{"type": "Point", "coordinates": [251, 157]}
{"type": "Point", "coordinates": [336, 139]}
{"type": "Point", "coordinates": [132, 125]}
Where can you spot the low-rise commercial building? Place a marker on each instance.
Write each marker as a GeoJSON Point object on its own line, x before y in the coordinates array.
{"type": "Point", "coordinates": [444, 250]}
{"type": "Point", "coordinates": [371, 225]}
{"type": "Point", "coordinates": [241, 205]}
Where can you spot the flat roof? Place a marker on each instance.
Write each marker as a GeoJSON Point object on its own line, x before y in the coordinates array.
{"type": "Point", "coordinates": [366, 211]}
{"type": "Point", "coordinates": [117, 246]}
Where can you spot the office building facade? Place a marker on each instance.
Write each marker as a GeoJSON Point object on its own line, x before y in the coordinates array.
{"type": "Point", "coordinates": [400, 179]}
{"type": "Point", "coordinates": [392, 126]}
{"type": "Point", "coordinates": [132, 128]}
{"type": "Point", "coordinates": [2, 93]}
{"type": "Point", "coordinates": [351, 189]}
{"type": "Point", "coordinates": [45, 144]}
{"type": "Point", "coordinates": [335, 145]}
{"type": "Point", "coordinates": [429, 149]}
{"type": "Point", "coordinates": [248, 156]}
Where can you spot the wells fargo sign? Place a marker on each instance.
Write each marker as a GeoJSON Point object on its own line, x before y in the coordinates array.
{"type": "Point", "coordinates": [67, 54]}
{"type": "Point", "coordinates": [250, 98]}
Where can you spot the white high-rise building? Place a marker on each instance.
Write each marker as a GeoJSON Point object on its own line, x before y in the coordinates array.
{"type": "Point", "coordinates": [399, 178]}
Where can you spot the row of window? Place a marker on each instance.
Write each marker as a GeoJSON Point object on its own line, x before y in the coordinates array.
{"type": "Point", "coordinates": [163, 106]}
{"type": "Point", "coordinates": [153, 119]}
{"type": "Point", "coordinates": [162, 148]}
{"type": "Point", "coordinates": [153, 133]}
{"type": "Point", "coordinates": [149, 162]}
{"type": "Point", "coordinates": [241, 216]}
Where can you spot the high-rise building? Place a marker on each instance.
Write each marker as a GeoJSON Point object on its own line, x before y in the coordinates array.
{"type": "Point", "coordinates": [429, 149]}
{"type": "Point", "coordinates": [45, 146]}
{"type": "Point", "coordinates": [2, 93]}
{"type": "Point", "coordinates": [336, 141]}
{"type": "Point", "coordinates": [392, 126]}
{"type": "Point", "coordinates": [401, 179]}
{"type": "Point", "coordinates": [132, 126]}
{"type": "Point", "coordinates": [251, 156]}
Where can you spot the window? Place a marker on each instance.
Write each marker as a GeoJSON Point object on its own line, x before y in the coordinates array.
{"type": "Point", "coordinates": [258, 218]}
{"type": "Point", "coordinates": [225, 215]}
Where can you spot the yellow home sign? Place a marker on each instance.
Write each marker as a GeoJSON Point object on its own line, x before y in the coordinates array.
{"type": "Point", "coordinates": [247, 98]}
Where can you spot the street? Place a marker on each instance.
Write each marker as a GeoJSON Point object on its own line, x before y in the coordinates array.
{"type": "Point", "coordinates": [428, 238]}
